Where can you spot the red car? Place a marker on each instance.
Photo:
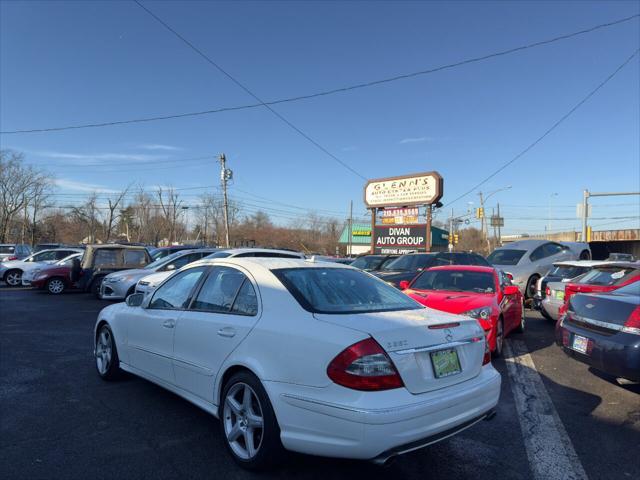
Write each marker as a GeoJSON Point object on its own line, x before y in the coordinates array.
{"type": "Point", "coordinates": [54, 278]}
{"type": "Point", "coordinates": [603, 278]}
{"type": "Point", "coordinates": [483, 293]}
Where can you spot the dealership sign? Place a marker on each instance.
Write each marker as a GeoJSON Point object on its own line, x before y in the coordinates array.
{"type": "Point", "coordinates": [399, 216]}
{"type": "Point", "coordinates": [399, 239]}
{"type": "Point", "coordinates": [408, 190]}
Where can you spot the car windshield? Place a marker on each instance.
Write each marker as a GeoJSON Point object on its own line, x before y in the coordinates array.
{"type": "Point", "coordinates": [7, 248]}
{"type": "Point", "coordinates": [455, 281]}
{"type": "Point", "coordinates": [66, 262]}
{"type": "Point", "coordinates": [369, 262]}
{"type": "Point", "coordinates": [407, 263]}
{"type": "Point", "coordinates": [566, 271]}
{"type": "Point", "coordinates": [219, 255]}
{"type": "Point", "coordinates": [342, 290]}
{"type": "Point", "coordinates": [607, 276]}
{"type": "Point", "coordinates": [505, 256]}
{"type": "Point", "coordinates": [161, 261]}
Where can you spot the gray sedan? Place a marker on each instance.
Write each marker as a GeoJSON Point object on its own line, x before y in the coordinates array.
{"type": "Point", "coordinates": [119, 285]}
{"type": "Point", "coordinates": [527, 260]}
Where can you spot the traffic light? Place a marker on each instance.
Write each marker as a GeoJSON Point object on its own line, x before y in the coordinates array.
{"type": "Point", "coordinates": [479, 212]}
{"type": "Point", "coordinates": [455, 238]}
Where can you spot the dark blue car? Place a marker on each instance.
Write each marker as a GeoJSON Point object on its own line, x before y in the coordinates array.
{"type": "Point", "coordinates": [603, 331]}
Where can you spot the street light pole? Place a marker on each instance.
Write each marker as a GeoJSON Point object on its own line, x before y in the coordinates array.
{"type": "Point", "coordinates": [483, 224]}
{"type": "Point", "coordinates": [225, 175]}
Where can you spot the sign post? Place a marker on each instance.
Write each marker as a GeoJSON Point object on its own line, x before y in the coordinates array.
{"type": "Point", "coordinates": [403, 192]}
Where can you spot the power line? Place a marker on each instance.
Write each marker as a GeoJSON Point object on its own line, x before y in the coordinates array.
{"type": "Point", "coordinates": [331, 91]}
{"type": "Point", "coordinates": [550, 129]}
{"type": "Point", "coordinates": [246, 89]}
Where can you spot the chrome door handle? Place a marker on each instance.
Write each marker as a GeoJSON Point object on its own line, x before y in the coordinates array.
{"type": "Point", "coordinates": [227, 332]}
{"type": "Point", "coordinates": [169, 323]}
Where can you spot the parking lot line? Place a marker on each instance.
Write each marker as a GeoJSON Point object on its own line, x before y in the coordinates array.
{"type": "Point", "coordinates": [549, 449]}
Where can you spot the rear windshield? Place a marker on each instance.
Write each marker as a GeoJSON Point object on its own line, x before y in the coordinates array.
{"type": "Point", "coordinates": [505, 256]}
{"type": "Point", "coordinates": [608, 276]}
{"type": "Point", "coordinates": [7, 248]}
{"type": "Point", "coordinates": [342, 290]}
{"type": "Point", "coordinates": [455, 281]}
{"type": "Point", "coordinates": [368, 263]}
{"type": "Point", "coordinates": [409, 263]}
{"type": "Point", "coordinates": [565, 271]}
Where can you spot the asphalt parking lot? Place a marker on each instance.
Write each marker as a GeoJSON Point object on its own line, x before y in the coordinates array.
{"type": "Point", "coordinates": [556, 418]}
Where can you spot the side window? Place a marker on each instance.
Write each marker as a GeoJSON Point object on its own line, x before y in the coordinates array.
{"type": "Point", "coordinates": [176, 292]}
{"type": "Point", "coordinates": [478, 260]}
{"type": "Point", "coordinates": [134, 257]}
{"type": "Point", "coordinates": [552, 249]}
{"type": "Point", "coordinates": [219, 290]}
{"type": "Point", "coordinates": [246, 301]}
{"type": "Point", "coordinates": [60, 254]}
{"type": "Point", "coordinates": [248, 254]}
{"type": "Point", "coordinates": [537, 254]}
{"type": "Point", "coordinates": [105, 257]}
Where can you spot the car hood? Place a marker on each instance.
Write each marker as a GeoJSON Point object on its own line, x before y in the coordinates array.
{"type": "Point", "coordinates": [134, 272]}
{"type": "Point", "coordinates": [156, 278]}
{"type": "Point", "coordinates": [451, 302]}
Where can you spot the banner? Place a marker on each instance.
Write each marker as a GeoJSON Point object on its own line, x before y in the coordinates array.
{"type": "Point", "coordinates": [399, 239]}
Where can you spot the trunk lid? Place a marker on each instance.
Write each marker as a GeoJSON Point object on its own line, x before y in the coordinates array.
{"type": "Point", "coordinates": [602, 313]}
{"type": "Point", "coordinates": [411, 337]}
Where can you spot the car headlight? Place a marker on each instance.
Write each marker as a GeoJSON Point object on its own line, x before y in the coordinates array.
{"type": "Point", "coordinates": [113, 279]}
{"type": "Point", "coordinates": [483, 313]}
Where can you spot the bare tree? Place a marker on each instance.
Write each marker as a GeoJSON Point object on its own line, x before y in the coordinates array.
{"type": "Point", "coordinates": [17, 185]}
{"type": "Point", "coordinates": [112, 216]}
{"type": "Point", "coordinates": [89, 215]}
{"type": "Point", "coordinates": [171, 206]}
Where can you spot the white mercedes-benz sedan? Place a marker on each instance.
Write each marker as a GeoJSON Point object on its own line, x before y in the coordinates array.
{"type": "Point", "coordinates": [301, 355]}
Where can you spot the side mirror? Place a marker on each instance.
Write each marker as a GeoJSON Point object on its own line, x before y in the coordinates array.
{"type": "Point", "coordinates": [509, 275]}
{"type": "Point", "coordinates": [135, 299]}
{"type": "Point", "coordinates": [510, 290]}
{"type": "Point", "coordinates": [404, 284]}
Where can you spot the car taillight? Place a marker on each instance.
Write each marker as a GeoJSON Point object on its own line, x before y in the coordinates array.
{"type": "Point", "coordinates": [486, 358]}
{"type": "Point", "coordinates": [547, 292]}
{"type": "Point", "coordinates": [13, 257]}
{"type": "Point", "coordinates": [632, 325]}
{"type": "Point", "coordinates": [364, 366]}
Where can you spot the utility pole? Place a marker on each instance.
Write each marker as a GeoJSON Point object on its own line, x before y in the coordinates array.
{"type": "Point", "coordinates": [451, 233]}
{"type": "Point", "coordinates": [482, 222]}
{"type": "Point", "coordinates": [585, 214]}
{"type": "Point", "coordinates": [225, 175]}
{"type": "Point", "coordinates": [350, 251]}
{"type": "Point", "coordinates": [499, 229]}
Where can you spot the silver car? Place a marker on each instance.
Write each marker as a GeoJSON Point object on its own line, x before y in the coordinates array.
{"type": "Point", "coordinates": [119, 285]}
{"type": "Point", "coordinates": [527, 260]}
{"type": "Point", "coordinates": [11, 270]}
{"type": "Point", "coordinates": [552, 302]}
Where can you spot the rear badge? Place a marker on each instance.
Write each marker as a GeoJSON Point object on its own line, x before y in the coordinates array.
{"type": "Point", "coordinates": [448, 335]}
{"type": "Point", "coordinates": [589, 305]}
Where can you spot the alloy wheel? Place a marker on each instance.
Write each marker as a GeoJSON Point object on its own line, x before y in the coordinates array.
{"type": "Point", "coordinates": [104, 348]}
{"type": "Point", "coordinates": [243, 421]}
{"type": "Point", "coordinates": [56, 286]}
{"type": "Point", "coordinates": [13, 279]}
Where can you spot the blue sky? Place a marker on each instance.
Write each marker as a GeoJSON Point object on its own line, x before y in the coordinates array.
{"type": "Point", "coordinates": [66, 63]}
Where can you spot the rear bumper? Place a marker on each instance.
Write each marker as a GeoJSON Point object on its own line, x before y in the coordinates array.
{"type": "Point", "coordinates": [551, 307]}
{"type": "Point", "coordinates": [338, 422]}
{"type": "Point", "coordinates": [617, 354]}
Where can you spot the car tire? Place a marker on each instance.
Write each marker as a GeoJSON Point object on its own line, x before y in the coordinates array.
{"type": "Point", "coordinates": [531, 287]}
{"type": "Point", "coordinates": [106, 354]}
{"type": "Point", "coordinates": [546, 315]}
{"type": "Point", "coordinates": [95, 287]}
{"type": "Point", "coordinates": [585, 255]}
{"type": "Point", "coordinates": [55, 286]}
{"type": "Point", "coordinates": [497, 353]}
{"type": "Point", "coordinates": [247, 418]}
{"type": "Point", "coordinates": [520, 328]}
{"type": "Point", "coordinates": [13, 278]}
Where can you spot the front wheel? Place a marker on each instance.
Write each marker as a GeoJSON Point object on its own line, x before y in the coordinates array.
{"type": "Point", "coordinates": [248, 423]}
{"type": "Point", "coordinates": [55, 286]}
{"type": "Point", "coordinates": [95, 287]}
{"type": "Point", "coordinates": [106, 354]}
{"type": "Point", "coordinates": [531, 287]}
{"type": "Point", "coordinates": [13, 278]}
{"type": "Point", "coordinates": [520, 328]}
{"type": "Point", "coordinates": [499, 338]}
